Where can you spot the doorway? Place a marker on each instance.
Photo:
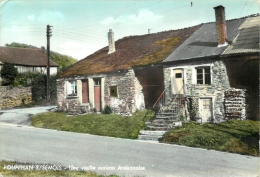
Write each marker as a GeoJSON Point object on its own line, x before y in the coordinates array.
{"type": "Point", "coordinates": [178, 81]}
{"type": "Point", "coordinates": [205, 109]}
{"type": "Point", "coordinates": [97, 94]}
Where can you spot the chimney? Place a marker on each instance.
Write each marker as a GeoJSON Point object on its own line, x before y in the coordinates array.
{"type": "Point", "coordinates": [221, 25]}
{"type": "Point", "coordinates": [111, 42]}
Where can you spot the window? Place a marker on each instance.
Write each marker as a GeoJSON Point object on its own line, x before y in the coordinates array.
{"type": "Point", "coordinates": [113, 91]}
{"type": "Point", "coordinates": [203, 75]}
{"type": "Point", "coordinates": [97, 81]}
{"type": "Point", "coordinates": [72, 88]}
{"type": "Point", "coordinates": [178, 75]}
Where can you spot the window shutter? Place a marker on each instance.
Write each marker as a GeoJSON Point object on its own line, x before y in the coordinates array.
{"type": "Point", "coordinates": [69, 91]}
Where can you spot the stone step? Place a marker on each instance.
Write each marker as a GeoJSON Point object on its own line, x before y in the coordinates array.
{"type": "Point", "coordinates": [159, 125]}
{"type": "Point", "coordinates": [163, 121]}
{"type": "Point", "coordinates": [148, 137]}
{"type": "Point", "coordinates": [166, 113]}
{"type": "Point", "coordinates": [152, 133]}
{"type": "Point", "coordinates": [152, 128]}
{"type": "Point", "coordinates": [166, 117]}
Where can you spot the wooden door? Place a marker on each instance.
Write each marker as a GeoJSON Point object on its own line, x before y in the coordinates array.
{"type": "Point", "coordinates": [205, 109]}
{"type": "Point", "coordinates": [85, 91]}
{"type": "Point", "coordinates": [97, 94]}
{"type": "Point", "coordinates": [177, 81]}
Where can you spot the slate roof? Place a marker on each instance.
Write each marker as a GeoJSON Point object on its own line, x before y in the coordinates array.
{"type": "Point", "coordinates": [247, 40]}
{"type": "Point", "coordinates": [204, 42]}
{"type": "Point", "coordinates": [24, 56]}
{"type": "Point", "coordinates": [131, 51]}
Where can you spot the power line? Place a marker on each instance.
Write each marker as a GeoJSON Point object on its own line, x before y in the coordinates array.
{"type": "Point", "coordinates": [77, 33]}
{"type": "Point", "coordinates": [75, 36]}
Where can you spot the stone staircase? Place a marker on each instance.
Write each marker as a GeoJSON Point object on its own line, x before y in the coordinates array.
{"type": "Point", "coordinates": [163, 121]}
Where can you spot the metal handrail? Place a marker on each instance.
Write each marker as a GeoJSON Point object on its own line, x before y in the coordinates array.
{"type": "Point", "coordinates": [159, 98]}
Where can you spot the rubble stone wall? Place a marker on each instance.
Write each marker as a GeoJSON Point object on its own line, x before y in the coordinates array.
{"type": "Point", "coordinates": [11, 97]}
{"type": "Point", "coordinates": [216, 90]}
{"type": "Point", "coordinates": [129, 93]}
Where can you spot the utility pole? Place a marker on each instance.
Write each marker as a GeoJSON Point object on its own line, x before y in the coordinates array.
{"type": "Point", "coordinates": [49, 34]}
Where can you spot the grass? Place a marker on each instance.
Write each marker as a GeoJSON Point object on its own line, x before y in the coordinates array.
{"type": "Point", "coordinates": [232, 136]}
{"type": "Point", "coordinates": [45, 173]}
{"type": "Point", "coordinates": [97, 124]}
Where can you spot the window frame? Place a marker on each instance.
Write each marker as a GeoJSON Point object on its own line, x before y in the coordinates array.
{"type": "Point", "coordinates": [204, 74]}
{"type": "Point", "coordinates": [116, 91]}
{"type": "Point", "coordinates": [73, 88]}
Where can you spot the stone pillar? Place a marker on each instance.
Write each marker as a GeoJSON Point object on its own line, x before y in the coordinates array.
{"type": "Point", "coordinates": [103, 93]}
{"type": "Point", "coordinates": [91, 92]}
{"type": "Point", "coordinates": [79, 90]}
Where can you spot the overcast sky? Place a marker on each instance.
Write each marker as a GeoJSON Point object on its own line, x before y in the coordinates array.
{"type": "Point", "coordinates": [80, 26]}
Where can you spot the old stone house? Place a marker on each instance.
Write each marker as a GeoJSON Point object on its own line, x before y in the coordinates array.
{"type": "Point", "coordinates": [26, 60]}
{"type": "Point", "coordinates": [123, 75]}
{"type": "Point", "coordinates": [201, 70]}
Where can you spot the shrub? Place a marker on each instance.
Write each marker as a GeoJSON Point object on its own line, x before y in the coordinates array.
{"type": "Point", "coordinates": [39, 87]}
{"type": "Point", "coordinates": [107, 110]}
{"type": "Point", "coordinates": [8, 73]}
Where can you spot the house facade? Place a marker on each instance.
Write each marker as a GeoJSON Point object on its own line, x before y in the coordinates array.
{"type": "Point", "coordinates": [198, 71]}
{"type": "Point", "coordinates": [26, 60]}
{"type": "Point", "coordinates": [123, 75]}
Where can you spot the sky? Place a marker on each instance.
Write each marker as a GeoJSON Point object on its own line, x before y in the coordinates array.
{"type": "Point", "coordinates": [80, 27]}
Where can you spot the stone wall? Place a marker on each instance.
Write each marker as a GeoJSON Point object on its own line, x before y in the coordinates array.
{"type": "Point", "coordinates": [130, 97]}
{"type": "Point", "coordinates": [11, 97]}
{"type": "Point", "coordinates": [216, 90]}
{"type": "Point", "coordinates": [129, 93]}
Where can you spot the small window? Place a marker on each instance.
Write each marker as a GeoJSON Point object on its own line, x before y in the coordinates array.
{"type": "Point", "coordinates": [72, 88]}
{"type": "Point", "coordinates": [113, 91]}
{"type": "Point", "coordinates": [97, 82]}
{"type": "Point", "coordinates": [178, 75]}
{"type": "Point", "coordinates": [203, 76]}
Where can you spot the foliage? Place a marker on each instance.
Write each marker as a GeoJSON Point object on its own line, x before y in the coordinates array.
{"type": "Point", "coordinates": [107, 110]}
{"type": "Point", "coordinates": [8, 73]}
{"type": "Point", "coordinates": [24, 79]}
{"type": "Point", "coordinates": [231, 136]}
{"type": "Point", "coordinates": [191, 109]}
{"type": "Point", "coordinates": [62, 60]}
{"type": "Point", "coordinates": [98, 124]}
{"type": "Point", "coordinates": [39, 87]}
{"type": "Point", "coordinates": [33, 173]}
{"type": "Point", "coordinates": [20, 45]}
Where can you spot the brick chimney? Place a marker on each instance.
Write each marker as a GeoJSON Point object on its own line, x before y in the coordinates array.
{"type": "Point", "coordinates": [221, 25]}
{"type": "Point", "coordinates": [111, 42]}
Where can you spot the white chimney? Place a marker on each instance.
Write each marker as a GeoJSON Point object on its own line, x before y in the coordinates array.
{"type": "Point", "coordinates": [111, 42]}
{"type": "Point", "coordinates": [221, 25]}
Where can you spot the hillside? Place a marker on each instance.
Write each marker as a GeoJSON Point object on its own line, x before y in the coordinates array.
{"type": "Point", "coordinates": [62, 60]}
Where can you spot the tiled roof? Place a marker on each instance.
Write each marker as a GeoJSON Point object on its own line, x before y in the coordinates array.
{"type": "Point", "coordinates": [24, 56]}
{"type": "Point", "coordinates": [247, 40]}
{"type": "Point", "coordinates": [204, 42]}
{"type": "Point", "coordinates": [131, 51]}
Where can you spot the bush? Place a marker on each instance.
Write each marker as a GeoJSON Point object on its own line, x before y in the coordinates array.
{"type": "Point", "coordinates": [39, 90]}
{"type": "Point", "coordinates": [107, 110]}
{"type": "Point", "coordinates": [8, 74]}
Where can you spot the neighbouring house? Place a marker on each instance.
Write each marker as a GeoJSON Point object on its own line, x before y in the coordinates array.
{"type": "Point", "coordinates": [212, 72]}
{"type": "Point", "coordinates": [123, 75]}
{"type": "Point", "coordinates": [26, 60]}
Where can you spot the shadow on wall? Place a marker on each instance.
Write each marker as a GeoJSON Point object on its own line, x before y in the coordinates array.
{"type": "Point", "coordinates": [151, 79]}
{"type": "Point", "coordinates": [244, 74]}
